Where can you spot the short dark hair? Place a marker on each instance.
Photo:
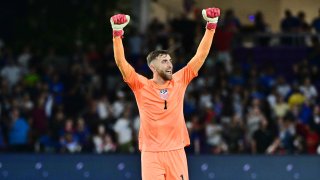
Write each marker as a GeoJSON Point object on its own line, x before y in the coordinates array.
{"type": "Point", "coordinates": [154, 54]}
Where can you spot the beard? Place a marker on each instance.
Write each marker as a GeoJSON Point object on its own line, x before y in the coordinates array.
{"type": "Point", "coordinates": [164, 75]}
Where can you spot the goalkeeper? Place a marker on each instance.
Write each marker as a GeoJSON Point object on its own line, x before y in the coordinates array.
{"type": "Point", "coordinates": [163, 133]}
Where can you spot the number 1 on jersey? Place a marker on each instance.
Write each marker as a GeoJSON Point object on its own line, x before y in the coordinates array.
{"type": "Point", "coordinates": [165, 104]}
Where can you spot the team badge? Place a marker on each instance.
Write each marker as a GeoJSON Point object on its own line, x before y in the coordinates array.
{"type": "Point", "coordinates": [164, 94]}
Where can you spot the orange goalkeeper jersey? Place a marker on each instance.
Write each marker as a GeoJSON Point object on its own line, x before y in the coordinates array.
{"type": "Point", "coordinates": [162, 123]}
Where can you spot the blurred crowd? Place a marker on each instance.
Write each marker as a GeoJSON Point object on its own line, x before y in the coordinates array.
{"type": "Point", "coordinates": [76, 101]}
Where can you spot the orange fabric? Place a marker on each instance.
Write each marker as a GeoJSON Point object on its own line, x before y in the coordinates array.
{"type": "Point", "coordinates": [120, 58]}
{"type": "Point", "coordinates": [203, 50]}
{"type": "Point", "coordinates": [171, 165]}
{"type": "Point", "coordinates": [162, 129]}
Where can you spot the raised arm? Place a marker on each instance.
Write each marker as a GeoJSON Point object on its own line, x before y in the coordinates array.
{"type": "Point", "coordinates": [118, 22]}
{"type": "Point", "coordinates": [211, 15]}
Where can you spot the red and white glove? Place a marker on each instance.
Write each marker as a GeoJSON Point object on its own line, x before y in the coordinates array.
{"type": "Point", "coordinates": [211, 15]}
{"type": "Point", "coordinates": [118, 22]}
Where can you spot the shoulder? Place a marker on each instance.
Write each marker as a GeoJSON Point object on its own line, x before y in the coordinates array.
{"type": "Point", "coordinates": [185, 71]}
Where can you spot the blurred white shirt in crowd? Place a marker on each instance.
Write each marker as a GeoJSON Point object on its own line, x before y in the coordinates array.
{"type": "Point", "coordinates": [310, 92]}
{"type": "Point", "coordinates": [11, 73]}
{"type": "Point", "coordinates": [123, 130]}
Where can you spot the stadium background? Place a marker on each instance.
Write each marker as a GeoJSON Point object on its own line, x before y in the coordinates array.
{"type": "Point", "coordinates": [253, 112]}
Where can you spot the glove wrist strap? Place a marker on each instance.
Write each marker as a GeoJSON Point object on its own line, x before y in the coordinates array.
{"type": "Point", "coordinates": [116, 33]}
{"type": "Point", "coordinates": [211, 26]}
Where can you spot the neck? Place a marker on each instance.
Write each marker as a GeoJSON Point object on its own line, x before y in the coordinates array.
{"type": "Point", "coordinates": [158, 80]}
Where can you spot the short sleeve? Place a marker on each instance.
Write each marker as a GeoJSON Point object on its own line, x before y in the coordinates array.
{"type": "Point", "coordinates": [135, 81]}
{"type": "Point", "coordinates": [185, 74]}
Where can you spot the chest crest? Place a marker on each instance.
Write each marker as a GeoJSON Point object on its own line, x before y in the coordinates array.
{"type": "Point", "coordinates": [164, 93]}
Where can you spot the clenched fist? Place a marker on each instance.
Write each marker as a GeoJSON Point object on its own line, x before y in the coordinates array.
{"type": "Point", "coordinates": [118, 22]}
{"type": "Point", "coordinates": [211, 15]}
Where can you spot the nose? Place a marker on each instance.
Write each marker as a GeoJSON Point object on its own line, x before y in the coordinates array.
{"type": "Point", "coordinates": [170, 65]}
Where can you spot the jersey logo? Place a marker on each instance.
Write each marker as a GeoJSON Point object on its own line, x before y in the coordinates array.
{"type": "Point", "coordinates": [164, 94]}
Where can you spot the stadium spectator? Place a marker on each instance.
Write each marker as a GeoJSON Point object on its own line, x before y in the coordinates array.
{"type": "Point", "coordinates": [282, 86]}
{"type": "Point", "coordinates": [19, 130]}
{"type": "Point", "coordinates": [197, 132]}
{"type": "Point", "coordinates": [281, 107]}
{"type": "Point", "coordinates": [39, 121]}
{"type": "Point", "coordinates": [287, 133]}
{"type": "Point", "coordinates": [25, 57]}
{"type": "Point", "coordinates": [304, 25]}
{"type": "Point", "coordinates": [123, 128]}
{"type": "Point", "coordinates": [234, 135]}
{"type": "Point", "coordinates": [316, 23]}
{"type": "Point", "coordinates": [312, 140]}
{"type": "Point", "coordinates": [12, 73]}
{"type": "Point", "coordinates": [309, 90]}
{"type": "Point", "coordinates": [231, 21]}
{"type": "Point", "coordinates": [261, 26]}
{"type": "Point", "coordinates": [215, 140]}
{"type": "Point", "coordinates": [289, 24]}
{"type": "Point", "coordinates": [102, 141]}
{"type": "Point", "coordinates": [263, 138]}
{"type": "Point", "coordinates": [69, 142]}
{"type": "Point", "coordinates": [83, 133]}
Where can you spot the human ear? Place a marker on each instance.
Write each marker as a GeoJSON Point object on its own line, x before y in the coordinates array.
{"type": "Point", "coordinates": [151, 66]}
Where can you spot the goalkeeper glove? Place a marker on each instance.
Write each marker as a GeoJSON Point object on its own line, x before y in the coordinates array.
{"type": "Point", "coordinates": [118, 22]}
{"type": "Point", "coordinates": [211, 15]}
